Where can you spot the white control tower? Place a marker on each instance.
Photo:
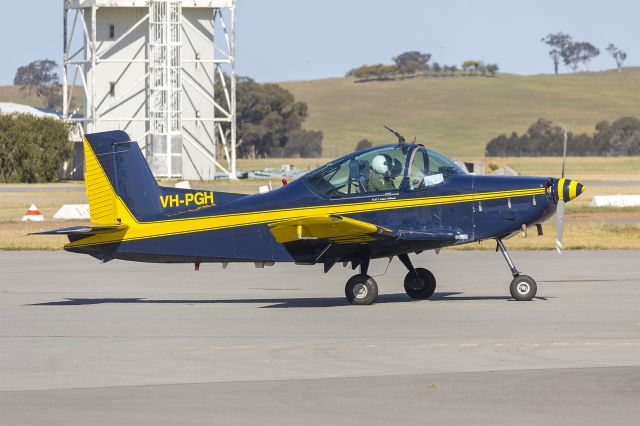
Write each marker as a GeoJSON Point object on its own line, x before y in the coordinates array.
{"type": "Point", "coordinates": [152, 68]}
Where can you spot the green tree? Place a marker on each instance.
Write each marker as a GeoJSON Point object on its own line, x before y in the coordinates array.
{"type": "Point", "coordinates": [437, 68]}
{"type": "Point", "coordinates": [577, 53]}
{"type": "Point", "coordinates": [558, 43]}
{"type": "Point", "coordinates": [303, 144]}
{"type": "Point", "coordinates": [40, 77]}
{"type": "Point", "coordinates": [268, 118]}
{"type": "Point", "coordinates": [543, 138]}
{"type": "Point", "coordinates": [411, 63]}
{"type": "Point", "coordinates": [483, 69]}
{"type": "Point", "coordinates": [618, 55]}
{"type": "Point", "coordinates": [265, 115]}
{"type": "Point", "coordinates": [492, 69]}
{"type": "Point", "coordinates": [374, 72]}
{"type": "Point", "coordinates": [32, 148]}
{"type": "Point", "coordinates": [471, 67]}
{"type": "Point", "coordinates": [622, 137]}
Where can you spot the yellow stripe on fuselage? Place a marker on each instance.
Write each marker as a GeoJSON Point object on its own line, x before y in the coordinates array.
{"type": "Point", "coordinates": [143, 230]}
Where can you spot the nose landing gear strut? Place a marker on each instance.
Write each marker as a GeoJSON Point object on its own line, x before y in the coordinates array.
{"type": "Point", "coordinates": [522, 287]}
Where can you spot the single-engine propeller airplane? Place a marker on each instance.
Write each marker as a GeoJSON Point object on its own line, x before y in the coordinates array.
{"type": "Point", "coordinates": [382, 202]}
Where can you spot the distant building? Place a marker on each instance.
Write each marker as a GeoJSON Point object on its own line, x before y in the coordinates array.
{"type": "Point", "coordinates": [505, 171]}
{"type": "Point", "coordinates": [473, 167]}
{"type": "Point", "coordinates": [13, 108]}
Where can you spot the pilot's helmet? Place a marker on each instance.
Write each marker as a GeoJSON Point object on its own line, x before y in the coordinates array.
{"type": "Point", "coordinates": [381, 163]}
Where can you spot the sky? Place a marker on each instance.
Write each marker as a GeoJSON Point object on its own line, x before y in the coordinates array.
{"type": "Point", "coordinates": [284, 40]}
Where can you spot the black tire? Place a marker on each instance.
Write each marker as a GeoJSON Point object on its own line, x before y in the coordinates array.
{"type": "Point", "coordinates": [361, 289]}
{"type": "Point", "coordinates": [523, 288]}
{"type": "Point", "coordinates": [422, 286]}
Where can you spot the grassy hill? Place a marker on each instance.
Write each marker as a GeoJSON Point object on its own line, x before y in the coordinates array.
{"type": "Point", "coordinates": [458, 116]}
{"type": "Point", "coordinates": [13, 94]}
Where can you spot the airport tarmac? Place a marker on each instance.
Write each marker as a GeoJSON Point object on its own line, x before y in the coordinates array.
{"type": "Point", "coordinates": [125, 343]}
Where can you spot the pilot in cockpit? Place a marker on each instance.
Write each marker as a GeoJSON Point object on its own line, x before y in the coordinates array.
{"type": "Point", "coordinates": [382, 178]}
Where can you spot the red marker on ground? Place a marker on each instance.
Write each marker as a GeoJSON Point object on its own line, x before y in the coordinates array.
{"type": "Point", "coordinates": [33, 214]}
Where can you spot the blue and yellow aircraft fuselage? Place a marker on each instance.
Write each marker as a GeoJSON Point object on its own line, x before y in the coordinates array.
{"type": "Point", "coordinates": [382, 202]}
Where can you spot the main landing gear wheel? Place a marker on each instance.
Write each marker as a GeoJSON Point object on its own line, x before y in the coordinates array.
{"type": "Point", "coordinates": [361, 289]}
{"type": "Point", "coordinates": [420, 285]}
{"type": "Point", "coordinates": [523, 288]}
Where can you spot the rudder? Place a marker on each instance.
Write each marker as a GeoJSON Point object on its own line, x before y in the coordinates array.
{"type": "Point", "coordinates": [119, 184]}
{"type": "Point", "coordinates": [122, 189]}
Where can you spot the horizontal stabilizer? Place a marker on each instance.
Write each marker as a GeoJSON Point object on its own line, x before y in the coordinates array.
{"type": "Point", "coordinates": [84, 230]}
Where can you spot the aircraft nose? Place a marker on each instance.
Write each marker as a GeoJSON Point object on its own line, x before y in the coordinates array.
{"type": "Point", "coordinates": [568, 189]}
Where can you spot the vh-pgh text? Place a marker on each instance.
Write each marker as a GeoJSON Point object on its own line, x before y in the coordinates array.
{"type": "Point", "coordinates": [177, 200]}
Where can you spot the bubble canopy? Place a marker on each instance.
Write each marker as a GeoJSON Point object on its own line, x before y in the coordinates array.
{"type": "Point", "coordinates": [381, 169]}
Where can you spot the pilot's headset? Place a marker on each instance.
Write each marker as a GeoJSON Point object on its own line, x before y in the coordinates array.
{"type": "Point", "coordinates": [382, 164]}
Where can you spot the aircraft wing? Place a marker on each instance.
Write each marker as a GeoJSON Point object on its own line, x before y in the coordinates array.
{"type": "Point", "coordinates": [338, 229]}
{"type": "Point", "coordinates": [318, 238]}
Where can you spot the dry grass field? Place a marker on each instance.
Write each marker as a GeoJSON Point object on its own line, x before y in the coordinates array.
{"type": "Point", "coordinates": [14, 94]}
{"type": "Point", "coordinates": [591, 235]}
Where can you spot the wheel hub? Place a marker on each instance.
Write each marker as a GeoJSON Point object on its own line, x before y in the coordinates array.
{"type": "Point", "coordinates": [523, 288]}
{"type": "Point", "coordinates": [416, 284]}
{"type": "Point", "coordinates": [360, 291]}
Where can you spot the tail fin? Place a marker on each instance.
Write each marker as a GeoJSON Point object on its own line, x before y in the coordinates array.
{"type": "Point", "coordinates": [119, 183]}
{"type": "Point", "coordinates": [122, 190]}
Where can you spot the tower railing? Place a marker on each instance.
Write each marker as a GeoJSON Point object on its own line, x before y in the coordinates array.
{"type": "Point", "coordinates": [150, 83]}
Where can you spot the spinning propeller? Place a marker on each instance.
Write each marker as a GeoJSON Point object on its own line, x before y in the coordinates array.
{"type": "Point", "coordinates": [566, 190]}
{"type": "Point", "coordinates": [560, 211]}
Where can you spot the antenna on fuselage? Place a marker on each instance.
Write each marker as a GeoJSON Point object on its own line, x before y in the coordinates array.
{"type": "Point", "coordinates": [401, 138]}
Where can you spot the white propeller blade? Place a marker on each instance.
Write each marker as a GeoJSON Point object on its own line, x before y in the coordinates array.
{"type": "Point", "coordinates": [560, 211]}
{"type": "Point", "coordinates": [559, 225]}
{"type": "Point", "coordinates": [564, 149]}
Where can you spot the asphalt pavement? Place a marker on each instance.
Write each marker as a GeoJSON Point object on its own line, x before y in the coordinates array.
{"type": "Point", "coordinates": [125, 343]}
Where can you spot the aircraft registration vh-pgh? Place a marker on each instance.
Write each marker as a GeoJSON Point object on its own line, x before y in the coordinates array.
{"type": "Point", "coordinates": [382, 202]}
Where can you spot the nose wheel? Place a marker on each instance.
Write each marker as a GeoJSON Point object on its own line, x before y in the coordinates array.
{"type": "Point", "coordinates": [523, 287]}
